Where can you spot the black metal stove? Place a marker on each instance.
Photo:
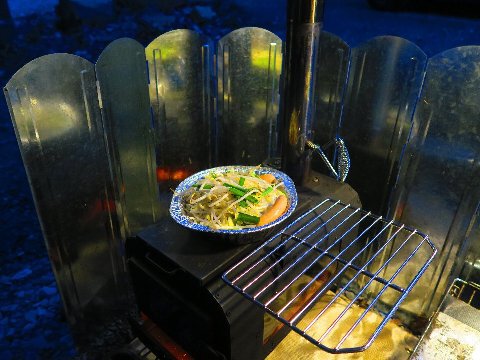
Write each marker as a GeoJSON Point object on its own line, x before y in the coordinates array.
{"type": "Point", "coordinates": [176, 274]}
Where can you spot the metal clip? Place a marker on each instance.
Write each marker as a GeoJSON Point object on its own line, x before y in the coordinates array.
{"type": "Point", "coordinates": [342, 158]}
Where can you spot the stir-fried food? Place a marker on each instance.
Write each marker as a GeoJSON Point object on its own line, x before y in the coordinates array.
{"type": "Point", "coordinates": [234, 200]}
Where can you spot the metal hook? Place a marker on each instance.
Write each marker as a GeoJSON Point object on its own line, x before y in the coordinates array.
{"type": "Point", "coordinates": [343, 158]}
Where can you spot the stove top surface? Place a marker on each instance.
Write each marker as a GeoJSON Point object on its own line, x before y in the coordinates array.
{"type": "Point", "coordinates": [206, 256]}
{"type": "Point", "coordinates": [199, 254]}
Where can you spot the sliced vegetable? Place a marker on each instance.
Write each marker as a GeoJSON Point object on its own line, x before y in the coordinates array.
{"type": "Point", "coordinates": [206, 186]}
{"type": "Point", "coordinates": [268, 178]}
{"type": "Point", "coordinates": [235, 187]}
{"type": "Point", "coordinates": [241, 181]}
{"type": "Point", "coordinates": [236, 192]}
{"type": "Point", "coordinates": [248, 219]}
{"type": "Point", "coordinates": [240, 193]}
{"type": "Point", "coordinates": [252, 199]}
{"type": "Point", "coordinates": [267, 191]}
{"type": "Point", "coordinates": [275, 211]}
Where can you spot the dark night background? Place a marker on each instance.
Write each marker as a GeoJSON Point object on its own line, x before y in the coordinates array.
{"type": "Point", "coordinates": [31, 321]}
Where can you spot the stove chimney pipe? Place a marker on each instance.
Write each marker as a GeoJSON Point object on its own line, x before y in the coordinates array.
{"type": "Point", "coordinates": [304, 23]}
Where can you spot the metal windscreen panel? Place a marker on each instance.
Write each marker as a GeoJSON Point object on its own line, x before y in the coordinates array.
{"type": "Point", "coordinates": [54, 107]}
{"type": "Point", "coordinates": [385, 80]}
{"type": "Point", "coordinates": [330, 83]}
{"type": "Point", "coordinates": [180, 77]}
{"type": "Point", "coordinates": [441, 189]}
{"type": "Point", "coordinates": [469, 269]}
{"type": "Point", "coordinates": [123, 87]}
{"type": "Point", "coordinates": [249, 62]}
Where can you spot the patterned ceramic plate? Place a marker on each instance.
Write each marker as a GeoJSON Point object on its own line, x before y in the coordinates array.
{"type": "Point", "coordinates": [176, 206]}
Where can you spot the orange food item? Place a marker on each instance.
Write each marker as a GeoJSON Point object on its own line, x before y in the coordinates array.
{"type": "Point", "coordinates": [275, 211]}
{"type": "Point", "coordinates": [267, 177]}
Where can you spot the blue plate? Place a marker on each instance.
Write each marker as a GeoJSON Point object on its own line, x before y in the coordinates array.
{"type": "Point", "coordinates": [176, 206]}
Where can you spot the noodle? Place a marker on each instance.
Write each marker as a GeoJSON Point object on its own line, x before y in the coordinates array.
{"type": "Point", "coordinates": [230, 200]}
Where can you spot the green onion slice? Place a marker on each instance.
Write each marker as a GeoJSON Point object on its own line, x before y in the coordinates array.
{"type": "Point", "coordinates": [235, 187]}
{"type": "Point", "coordinates": [248, 219]}
{"type": "Point", "coordinates": [236, 192]}
{"type": "Point", "coordinates": [240, 193]}
{"type": "Point", "coordinates": [267, 191]}
{"type": "Point", "coordinates": [206, 186]}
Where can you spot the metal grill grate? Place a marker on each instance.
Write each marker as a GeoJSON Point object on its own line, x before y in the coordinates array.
{"type": "Point", "coordinates": [335, 275]}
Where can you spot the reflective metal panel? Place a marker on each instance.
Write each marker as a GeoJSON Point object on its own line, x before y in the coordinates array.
{"type": "Point", "coordinates": [331, 76]}
{"type": "Point", "coordinates": [54, 107]}
{"type": "Point", "coordinates": [467, 258]}
{"type": "Point", "coordinates": [249, 62]}
{"type": "Point", "coordinates": [385, 79]}
{"type": "Point", "coordinates": [441, 191]}
{"type": "Point", "coordinates": [123, 85]}
{"type": "Point", "coordinates": [180, 76]}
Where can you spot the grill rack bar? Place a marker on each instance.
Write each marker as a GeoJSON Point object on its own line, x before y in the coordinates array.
{"type": "Point", "coordinates": [333, 249]}
{"type": "Point", "coordinates": [364, 272]}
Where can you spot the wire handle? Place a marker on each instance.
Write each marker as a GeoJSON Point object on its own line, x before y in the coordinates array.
{"type": "Point", "coordinates": [343, 158]}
